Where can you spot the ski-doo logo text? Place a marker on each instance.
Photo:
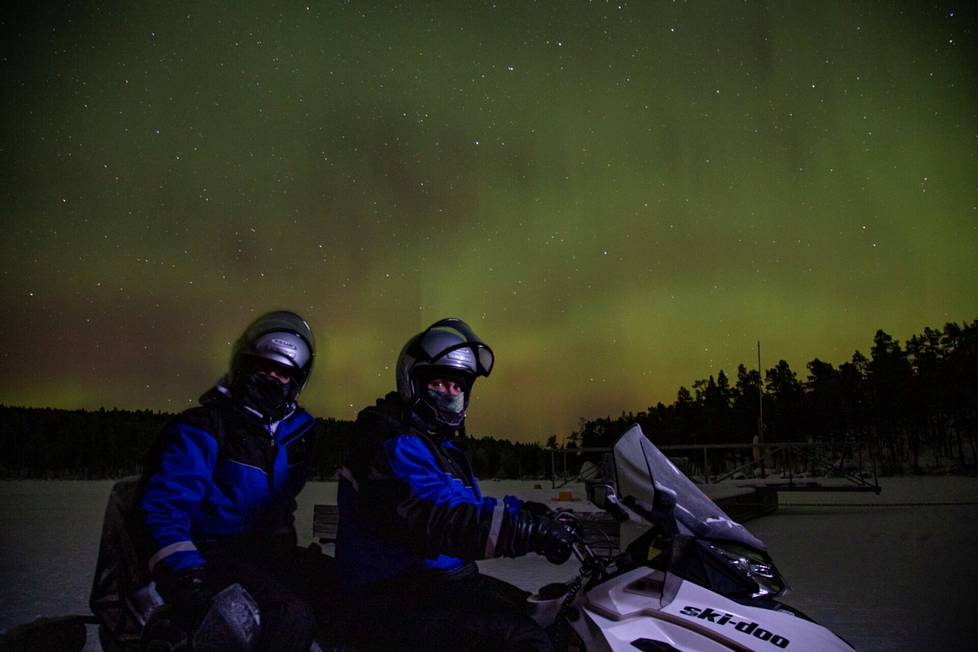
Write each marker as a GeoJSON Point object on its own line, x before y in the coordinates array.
{"type": "Point", "coordinates": [722, 618]}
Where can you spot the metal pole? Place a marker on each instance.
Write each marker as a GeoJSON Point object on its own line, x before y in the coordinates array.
{"type": "Point", "coordinates": [553, 468]}
{"type": "Point", "coordinates": [791, 463]}
{"type": "Point", "coordinates": [760, 395]}
{"type": "Point", "coordinates": [760, 407]}
{"type": "Point", "coordinates": [563, 479]}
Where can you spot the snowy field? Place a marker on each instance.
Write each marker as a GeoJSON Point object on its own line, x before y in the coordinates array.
{"type": "Point", "coordinates": [888, 572]}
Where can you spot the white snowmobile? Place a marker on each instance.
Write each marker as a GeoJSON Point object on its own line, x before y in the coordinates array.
{"type": "Point", "coordinates": [689, 579]}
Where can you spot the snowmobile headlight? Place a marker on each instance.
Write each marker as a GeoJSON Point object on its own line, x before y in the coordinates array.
{"type": "Point", "coordinates": [752, 565]}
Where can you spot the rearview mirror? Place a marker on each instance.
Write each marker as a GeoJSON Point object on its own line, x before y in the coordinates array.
{"type": "Point", "coordinates": [599, 494]}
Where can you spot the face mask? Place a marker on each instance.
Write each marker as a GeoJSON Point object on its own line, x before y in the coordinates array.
{"type": "Point", "coordinates": [446, 402]}
{"type": "Point", "coordinates": [265, 394]}
{"type": "Point", "coordinates": [446, 409]}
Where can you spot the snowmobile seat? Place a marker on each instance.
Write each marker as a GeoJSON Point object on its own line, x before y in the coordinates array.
{"type": "Point", "coordinates": [123, 596]}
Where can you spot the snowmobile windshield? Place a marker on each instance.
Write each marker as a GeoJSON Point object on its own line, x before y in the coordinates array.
{"type": "Point", "coordinates": [641, 470]}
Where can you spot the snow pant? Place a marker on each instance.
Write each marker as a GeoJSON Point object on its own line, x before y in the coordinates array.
{"type": "Point", "coordinates": [465, 611]}
{"type": "Point", "coordinates": [284, 581]}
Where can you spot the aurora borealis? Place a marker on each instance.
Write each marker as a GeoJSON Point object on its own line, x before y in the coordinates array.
{"type": "Point", "coordinates": [620, 198]}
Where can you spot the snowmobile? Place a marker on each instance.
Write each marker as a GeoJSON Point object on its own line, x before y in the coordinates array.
{"type": "Point", "coordinates": [689, 578]}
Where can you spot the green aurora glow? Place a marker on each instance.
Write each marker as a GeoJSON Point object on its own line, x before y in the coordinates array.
{"type": "Point", "coordinates": [619, 197]}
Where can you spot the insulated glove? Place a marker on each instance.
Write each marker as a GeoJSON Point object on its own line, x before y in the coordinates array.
{"type": "Point", "coordinates": [188, 593]}
{"type": "Point", "coordinates": [553, 539]}
{"type": "Point", "coordinates": [524, 532]}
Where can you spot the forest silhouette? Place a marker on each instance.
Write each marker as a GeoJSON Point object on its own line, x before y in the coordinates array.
{"type": "Point", "coordinates": [912, 408]}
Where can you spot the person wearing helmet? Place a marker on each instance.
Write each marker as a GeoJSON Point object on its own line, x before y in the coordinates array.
{"type": "Point", "coordinates": [413, 518]}
{"type": "Point", "coordinates": [218, 492]}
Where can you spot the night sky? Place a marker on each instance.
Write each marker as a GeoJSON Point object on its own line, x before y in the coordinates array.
{"type": "Point", "coordinates": [620, 198]}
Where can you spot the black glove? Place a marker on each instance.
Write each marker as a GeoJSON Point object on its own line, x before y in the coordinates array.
{"type": "Point", "coordinates": [525, 532]}
{"type": "Point", "coordinates": [553, 538]}
{"type": "Point", "coordinates": [187, 592]}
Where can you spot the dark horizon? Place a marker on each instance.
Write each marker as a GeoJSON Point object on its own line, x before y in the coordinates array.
{"type": "Point", "coordinates": [909, 407]}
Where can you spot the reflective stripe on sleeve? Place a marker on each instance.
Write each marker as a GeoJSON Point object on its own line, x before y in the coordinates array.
{"type": "Point", "coordinates": [347, 475]}
{"type": "Point", "coordinates": [166, 551]}
{"type": "Point", "coordinates": [497, 524]}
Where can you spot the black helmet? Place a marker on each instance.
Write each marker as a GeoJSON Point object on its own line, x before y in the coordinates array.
{"type": "Point", "coordinates": [280, 336]}
{"type": "Point", "coordinates": [447, 346]}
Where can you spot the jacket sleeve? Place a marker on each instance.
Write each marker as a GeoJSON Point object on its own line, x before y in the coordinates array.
{"type": "Point", "coordinates": [173, 495]}
{"type": "Point", "coordinates": [432, 509]}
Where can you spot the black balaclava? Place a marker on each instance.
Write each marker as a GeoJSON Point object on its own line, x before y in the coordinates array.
{"type": "Point", "coordinates": [265, 395]}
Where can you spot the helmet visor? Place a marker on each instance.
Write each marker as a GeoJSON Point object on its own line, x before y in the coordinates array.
{"type": "Point", "coordinates": [287, 349]}
{"type": "Point", "coordinates": [480, 350]}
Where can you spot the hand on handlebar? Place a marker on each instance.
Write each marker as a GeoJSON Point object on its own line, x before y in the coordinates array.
{"type": "Point", "coordinates": [551, 534]}
{"type": "Point", "coordinates": [556, 537]}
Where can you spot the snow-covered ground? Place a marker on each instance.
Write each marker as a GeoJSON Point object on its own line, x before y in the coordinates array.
{"type": "Point", "coordinates": [888, 572]}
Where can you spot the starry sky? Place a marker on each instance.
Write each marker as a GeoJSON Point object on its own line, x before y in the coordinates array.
{"type": "Point", "coordinates": [620, 198]}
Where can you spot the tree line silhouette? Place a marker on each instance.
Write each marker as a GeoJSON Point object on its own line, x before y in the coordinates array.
{"type": "Point", "coordinates": [900, 403]}
{"type": "Point", "coordinates": [48, 443]}
{"type": "Point", "coordinates": [904, 403]}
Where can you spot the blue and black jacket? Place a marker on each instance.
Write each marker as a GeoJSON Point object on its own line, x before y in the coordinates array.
{"type": "Point", "coordinates": [410, 504]}
{"type": "Point", "coordinates": [218, 474]}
